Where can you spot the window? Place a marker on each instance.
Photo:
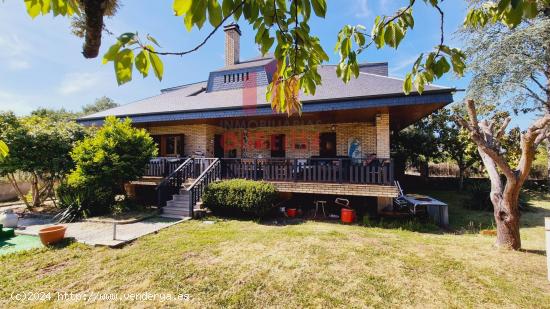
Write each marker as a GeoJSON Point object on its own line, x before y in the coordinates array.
{"type": "Point", "coordinates": [173, 145]}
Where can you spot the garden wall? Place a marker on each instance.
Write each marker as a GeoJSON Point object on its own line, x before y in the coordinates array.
{"type": "Point", "coordinates": [7, 193]}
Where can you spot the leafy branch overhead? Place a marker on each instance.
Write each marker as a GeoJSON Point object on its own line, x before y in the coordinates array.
{"type": "Point", "coordinates": [285, 25]}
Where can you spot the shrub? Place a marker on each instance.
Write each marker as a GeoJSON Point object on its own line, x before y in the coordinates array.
{"type": "Point", "coordinates": [116, 154]}
{"type": "Point", "coordinates": [80, 202]}
{"type": "Point", "coordinates": [239, 197]}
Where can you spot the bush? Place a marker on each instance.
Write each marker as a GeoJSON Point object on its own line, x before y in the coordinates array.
{"type": "Point", "coordinates": [239, 197]}
{"type": "Point", "coordinates": [116, 154]}
{"type": "Point", "coordinates": [80, 202]}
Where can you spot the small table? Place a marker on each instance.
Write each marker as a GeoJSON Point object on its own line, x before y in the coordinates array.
{"type": "Point", "coordinates": [317, 205]}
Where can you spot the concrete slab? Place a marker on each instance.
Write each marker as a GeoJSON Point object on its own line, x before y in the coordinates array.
{"type": "Point", "coordinates": [101, 234]}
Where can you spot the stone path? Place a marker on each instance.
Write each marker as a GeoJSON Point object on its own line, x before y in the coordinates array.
{"type": "Point", "coordinates": [100, 234]}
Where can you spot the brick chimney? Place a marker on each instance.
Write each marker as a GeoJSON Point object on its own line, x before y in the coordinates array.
{"type": "Point", "coordinates": [232, 44]}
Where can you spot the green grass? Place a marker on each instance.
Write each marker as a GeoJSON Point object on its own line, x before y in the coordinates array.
{"type": "Point", "coordinates": [246, 264]}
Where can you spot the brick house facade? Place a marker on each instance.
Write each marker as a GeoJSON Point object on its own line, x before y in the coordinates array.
{"type": "Point", "coordinates": [342, 127]}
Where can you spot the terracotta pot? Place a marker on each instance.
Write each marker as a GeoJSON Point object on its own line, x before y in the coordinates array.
{"type": "Point", "coordinates": [291, 212]}
{"type": "Point", "coordinates": [51, 235]}
{"type": "Point", "coordinates": [347, 215]}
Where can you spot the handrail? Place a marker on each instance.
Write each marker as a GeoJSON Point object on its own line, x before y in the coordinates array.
{"type": "Point", "coordinates": [196, 189]}
{"type": "Point", "coordinates": [175, 172]}
{"type": "Point", "coordinates": [201, 176]}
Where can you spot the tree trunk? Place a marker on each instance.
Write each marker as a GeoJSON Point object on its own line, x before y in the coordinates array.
{"type": "Point", "coordinates": [461, 178]}
{"type": "Point", "coordinates": [94, 11]}
{"type": "Point", "coordinates": [507, 215]}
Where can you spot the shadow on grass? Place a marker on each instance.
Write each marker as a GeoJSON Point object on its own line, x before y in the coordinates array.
{"type": "Point", "coordinates": [412, 224]}
{"type": "Point", "coordinates": [65, 242]}
{"type": "Point", "coordinates": [534, 251]}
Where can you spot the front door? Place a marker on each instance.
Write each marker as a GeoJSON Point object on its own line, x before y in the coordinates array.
{"type": "Point", "coordinates": [327, 145]}
{"type": "Point", "coordinates": [218, 146]}
{"type": "Point", "coordinates": [278, 146]}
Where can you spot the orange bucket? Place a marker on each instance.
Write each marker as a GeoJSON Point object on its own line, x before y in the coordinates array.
{"type": "Point", "coordinates": [291, 212]}
{"type": "Point", "coordinates": [347, 215]}
{"type": "Point", "coordinates": [51, 235]}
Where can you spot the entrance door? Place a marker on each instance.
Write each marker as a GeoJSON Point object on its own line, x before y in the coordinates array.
{"type": "Point", "coordinates": [327, 145]}
{"type": "Point", "coordinates": [278, 146]}
{"type": "Point", "coordinates": [218, 146]}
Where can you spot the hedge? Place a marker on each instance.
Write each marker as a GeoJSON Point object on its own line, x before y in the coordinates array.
{"type": "Point", "coordinates": [240, 197]}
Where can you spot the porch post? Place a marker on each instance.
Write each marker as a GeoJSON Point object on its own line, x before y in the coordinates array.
{"type": "Point", "coordinates": [383, 135]}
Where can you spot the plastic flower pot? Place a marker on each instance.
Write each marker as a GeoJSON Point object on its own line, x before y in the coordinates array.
{"type": "Point", "coordinates": [51, 235]}
{"type": "Point", "coordinates": [291, 212]}
{"type": "Point", "coordinates": [347, 215]}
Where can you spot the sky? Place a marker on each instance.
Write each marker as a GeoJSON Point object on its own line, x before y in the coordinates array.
{"type": "Point", "coordinates": [41, 64]}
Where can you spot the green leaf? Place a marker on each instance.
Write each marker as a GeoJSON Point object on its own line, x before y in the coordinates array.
{"type": "Point", "coordinates": [110, 55]}
{"type": "Point", "coordinates": [124, 65]}
{"type": "Point", "coordinates": [33, 8]}
{"type": "Point", "coordinates": [441, 67]}
{"type": "Point", "coordinates": [142, 63]}
{"type": "Point", "coordinates": [407, 84]}
{"type": "Point", "coordinates": [319, 7]}
{"type": "Point", "coordinates": [4, 150]}
{"type": "Point", "coordinates": [227, 7]}
{"type": "Point", "coordinates": [188, 21]}
{"type": "Point", "coordinates": [181, 7]}
{"type": "Point", "coordinates": [214, 13]}
{"type": "Point", "coordinates": [152, 39]}
{"type": "Point", "coordinates": [156, 63]}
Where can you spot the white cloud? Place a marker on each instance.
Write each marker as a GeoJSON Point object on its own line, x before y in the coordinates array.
{"type": "Point", "coordinates": [19, 104]}
{"type": "Point", "coordinates": [362, 8]}
{"type": "Point", "coordinates": [401, 65]}
{"type": "Point", "coordinates": [78, 82]}
{"type": "Point", "coordinates": [14, 52]}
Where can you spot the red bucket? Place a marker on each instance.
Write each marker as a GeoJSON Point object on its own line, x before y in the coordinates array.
{"type": "Point", "coordinates": [291, 212]}
{"type": "Point", "coordinates": [347, 215]}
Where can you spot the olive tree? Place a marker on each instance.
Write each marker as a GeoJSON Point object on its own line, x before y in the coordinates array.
{"type": "Point", "coordinates": [40, 149]}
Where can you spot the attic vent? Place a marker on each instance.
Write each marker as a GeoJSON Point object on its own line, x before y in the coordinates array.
{"type": "Point", "coordinates": [238, 77]}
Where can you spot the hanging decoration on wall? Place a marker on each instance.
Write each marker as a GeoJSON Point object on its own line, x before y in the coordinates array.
{"type": "Point", "coordinates": [354, 148]}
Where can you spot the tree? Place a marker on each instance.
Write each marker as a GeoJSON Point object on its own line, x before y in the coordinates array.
{"type": "Point", "coordinates": [455, 144]}
{"type": "Point", "coordinates": [416, 145]}
{"type": "Point", "coordinates": [510, 66]}
{"type": "Point", "coordinates": [100, 104]}
{"type": "Point", "coordinates": [40, 148]}
{"type": "Point", "coordinates": [116, 154]}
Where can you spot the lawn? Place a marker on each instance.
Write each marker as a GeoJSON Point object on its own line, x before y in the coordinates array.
{"type": "Point", "coordinates": [246, 264]}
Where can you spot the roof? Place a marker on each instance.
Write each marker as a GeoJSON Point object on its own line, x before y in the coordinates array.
{"type": "Point", "coordinates": [192, 97]}
{"type": "Point", "coordinates": [251, 63]}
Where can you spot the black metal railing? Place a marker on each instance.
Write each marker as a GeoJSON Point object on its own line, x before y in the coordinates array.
{"type": "Point", "coordinates": [338, 170]}
{"type": "Point", "coordinates": [210, 174]}
{"type": "Point", "coordinates": [191, 168]}
{"type": "Point", "coordinates": [172, 184]}
{"type": "Point", "coordinates": [162, 166]}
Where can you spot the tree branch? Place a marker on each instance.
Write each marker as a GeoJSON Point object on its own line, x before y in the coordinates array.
{"type": "Point", "coordinates": [203, 42]}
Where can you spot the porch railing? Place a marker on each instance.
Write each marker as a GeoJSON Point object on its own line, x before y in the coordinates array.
{"type": "Point", "coordinates": [331, 170]}
{"type": "Point", "coordinates": [162, 167]}
{"type": "Point", "coordinates": [196, 189]}
{"type": "Point", "coordinates": [191, 168]}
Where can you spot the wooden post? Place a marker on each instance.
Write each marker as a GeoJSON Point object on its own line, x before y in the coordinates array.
{"type": "Point", "coordinates": [547, 230]}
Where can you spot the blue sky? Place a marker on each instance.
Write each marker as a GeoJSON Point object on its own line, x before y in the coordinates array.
{"type": "Point", "coordinates": [41, 64]}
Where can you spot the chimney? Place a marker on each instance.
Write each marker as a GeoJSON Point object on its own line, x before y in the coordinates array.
{"type": "Point", "coordinates": [232, 44]}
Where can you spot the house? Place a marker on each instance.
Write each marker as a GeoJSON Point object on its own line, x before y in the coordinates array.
{"type": "Point", "coordinates": [224, 128]}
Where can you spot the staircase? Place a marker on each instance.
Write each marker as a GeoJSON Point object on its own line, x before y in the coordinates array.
{"type": "Point", "coordinates": [185, 187]}
{"type": "Point", "coordinates": [178, 206]}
